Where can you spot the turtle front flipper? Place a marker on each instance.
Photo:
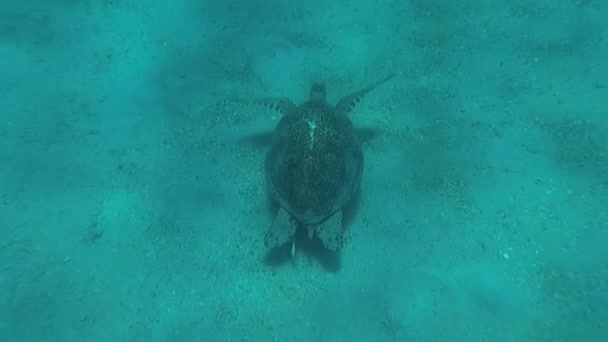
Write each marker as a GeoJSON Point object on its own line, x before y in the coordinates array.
{"type": "Point", "coordinates": [281, 231]}
{"type": "Point", "coordinates": [282, 105]}
{"type": "Point", "coordinates": [348, 102]}
{"type": "Point", "coordinates": [330, 232]}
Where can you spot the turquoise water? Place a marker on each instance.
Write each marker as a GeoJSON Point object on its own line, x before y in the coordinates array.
{"type": "Point", "coordinates": [132, 196]}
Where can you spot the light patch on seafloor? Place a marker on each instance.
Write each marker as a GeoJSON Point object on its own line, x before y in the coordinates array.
{"type": "Point", "coordinates": [117, 207]}
{"type": "Point", "coordinates": [276, 61]}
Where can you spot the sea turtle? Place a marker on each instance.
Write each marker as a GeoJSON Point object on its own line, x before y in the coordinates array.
{"type": "Point", "coordinates": [313, 166]}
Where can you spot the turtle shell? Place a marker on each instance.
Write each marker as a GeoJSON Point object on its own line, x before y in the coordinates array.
{"type": "Point", "coordinates": [314, 163]}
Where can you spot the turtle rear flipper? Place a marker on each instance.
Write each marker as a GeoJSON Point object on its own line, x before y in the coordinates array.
{"type": "Point", "coordinates": [281, 231]}
{"type": "Point", "coordinates": [348, 102]}
{"type": "Point", "coordinates": [330, 232]}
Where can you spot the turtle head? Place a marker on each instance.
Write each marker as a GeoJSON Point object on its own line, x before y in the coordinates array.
{"type": "Point", "coordinates": [318, 92]}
